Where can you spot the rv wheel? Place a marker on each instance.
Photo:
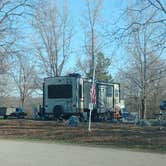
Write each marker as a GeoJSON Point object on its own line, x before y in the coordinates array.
{"type": "Point", "coordinates": [58, 111]}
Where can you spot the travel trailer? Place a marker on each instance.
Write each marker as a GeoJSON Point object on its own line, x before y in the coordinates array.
{"type": "Point", "coordinates": [64, 96]}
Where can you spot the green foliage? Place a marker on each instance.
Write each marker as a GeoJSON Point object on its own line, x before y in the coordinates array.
{"type": "Point", "coordinates": [102, 68]}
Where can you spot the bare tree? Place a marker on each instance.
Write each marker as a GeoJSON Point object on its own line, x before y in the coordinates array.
{"type": "Point", "coordinates": [146, 46]}
{"type": "Point", "coordinates": [152, 12]}
{"type": "Point", "coordinates": [5, 88]}
{"type": "Point", "coordinates": [9, 12]}
{"type": "Point", "coordinates": [92, 43]}
{"type": "Point", "coordinates": [158, 4]}
{"type": "Point", "coordinates": [24, 76]}
{"type": "Point", "coordinates": [54, 32]}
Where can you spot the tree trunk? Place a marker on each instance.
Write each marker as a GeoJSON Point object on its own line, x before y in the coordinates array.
{"type": "Point", "coordinates": [143, 108]}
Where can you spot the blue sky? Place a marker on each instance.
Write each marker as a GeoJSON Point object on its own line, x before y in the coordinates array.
{"type": "Point", "coordinates": [111, 11]}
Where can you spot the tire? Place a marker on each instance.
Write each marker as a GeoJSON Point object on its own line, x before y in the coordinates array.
{"type": "Point", "coordinates": [5, 117]}
{"type": "Point", "coordinates": [58, 112]}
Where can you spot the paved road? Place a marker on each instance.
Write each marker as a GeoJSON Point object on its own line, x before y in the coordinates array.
{"type": "Point", "coordinates": [24, 153]}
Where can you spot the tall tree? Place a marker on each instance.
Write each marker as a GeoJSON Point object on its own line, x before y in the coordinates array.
{"type": "Point", "coordinates": [102, 68]}
{"type": "Point", "coordinates": [146, 46]}
{"type": "Point", "coordinates": [54, 32]}
{"type": "Point", "coordinates": [92, 45]}
{"type": "Point", "coordinates": [24, 75]}
{"type": "Point", "coordinates": [158, 4]}
{"type": "Point", "coordinates": [9, 12]}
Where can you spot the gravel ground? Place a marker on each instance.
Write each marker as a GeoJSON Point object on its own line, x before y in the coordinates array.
{"type": "Point", "coordinates": [27, 153]}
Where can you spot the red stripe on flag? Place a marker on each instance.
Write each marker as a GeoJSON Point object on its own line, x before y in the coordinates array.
{"type": "Point", "coordinates": [93, 94]}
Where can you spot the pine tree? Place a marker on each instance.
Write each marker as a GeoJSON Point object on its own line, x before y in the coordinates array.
{"type": "Point", "coordinates": [102, 68]}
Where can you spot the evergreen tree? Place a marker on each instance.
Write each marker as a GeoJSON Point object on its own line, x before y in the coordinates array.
{"type": "Point", "coordinates": [102, 68]}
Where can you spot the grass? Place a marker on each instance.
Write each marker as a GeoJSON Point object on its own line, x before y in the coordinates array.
{"type": "Point", "coordinates": [150, 139]}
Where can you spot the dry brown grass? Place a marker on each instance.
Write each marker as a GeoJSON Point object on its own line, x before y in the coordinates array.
{"type": "Point", "coordinates": [102, 133]}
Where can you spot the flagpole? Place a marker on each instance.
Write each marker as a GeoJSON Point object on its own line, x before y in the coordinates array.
{"type": "Point", "coordinates": [91, 104]}
{"type": "Point", "coordinates": [93, 78]}
{"type": "Point", "coordinates": [89, 127]}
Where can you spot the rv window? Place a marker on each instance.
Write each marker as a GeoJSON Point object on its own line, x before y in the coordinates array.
{"type": "Point", "coordinates": [59, 91]}
{"type": "Point", "coordinates": [109, 91]}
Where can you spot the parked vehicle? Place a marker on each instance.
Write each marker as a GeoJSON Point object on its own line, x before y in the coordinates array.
{"type": "Point", "coordinates": [6, 112]}
{"type": "Point", "coordinates": [163, 105]}
{"type": "Point", "coordinates": [64, 96]}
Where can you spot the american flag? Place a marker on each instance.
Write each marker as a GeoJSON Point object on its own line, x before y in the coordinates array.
{"type": "Point", "coordinates": [93, 94]}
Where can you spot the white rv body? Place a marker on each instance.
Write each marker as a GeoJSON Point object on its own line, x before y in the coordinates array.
{"type": "Point", "coordinates": [71, 94]}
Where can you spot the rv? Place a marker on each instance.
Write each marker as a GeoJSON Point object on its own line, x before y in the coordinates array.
{"type": "Point", "coordinates": [64, 96]}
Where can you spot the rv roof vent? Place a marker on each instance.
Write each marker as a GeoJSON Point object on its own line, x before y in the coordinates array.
{"type": "Point", "coordinates": [74, 75]}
